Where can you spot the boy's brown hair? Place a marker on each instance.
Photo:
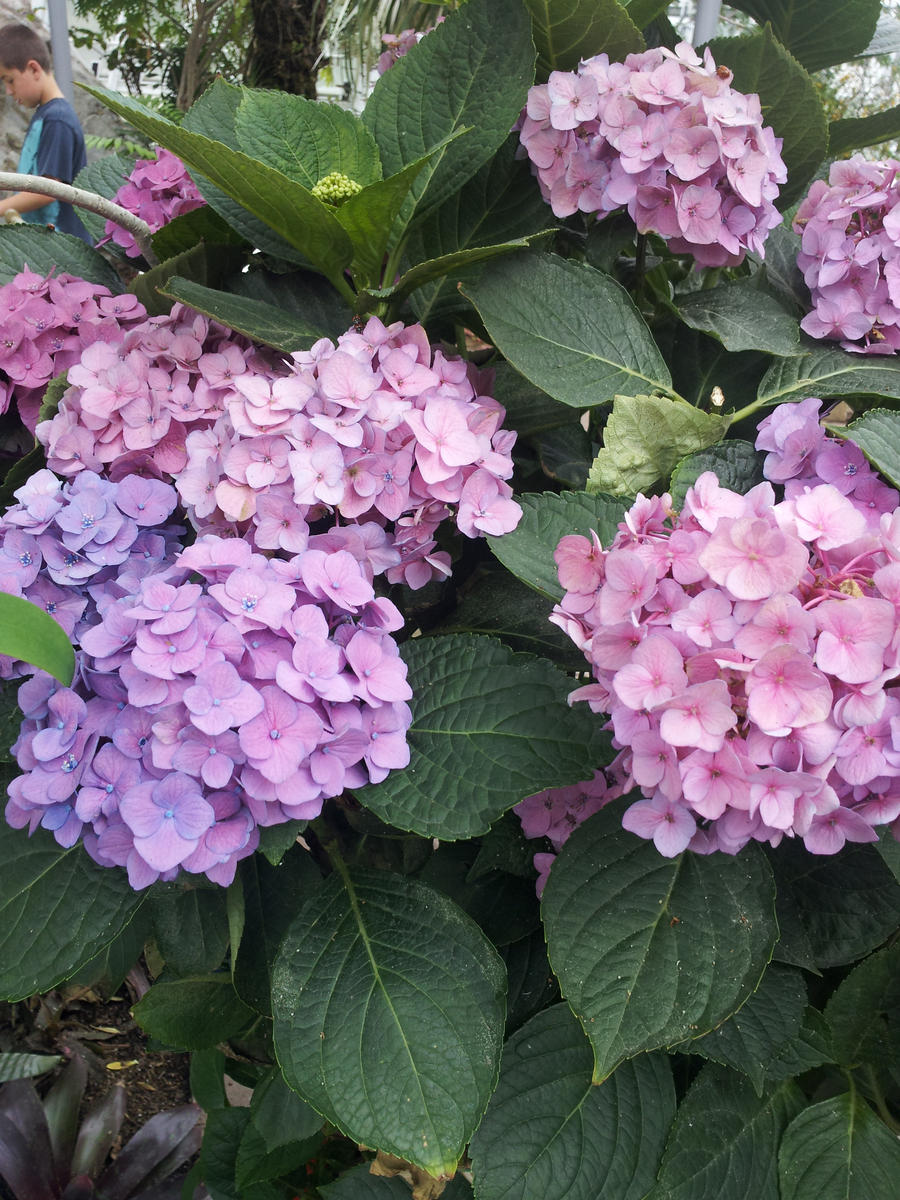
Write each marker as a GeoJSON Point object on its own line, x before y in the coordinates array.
{"type": "Point", "coordinates": [20, 45]}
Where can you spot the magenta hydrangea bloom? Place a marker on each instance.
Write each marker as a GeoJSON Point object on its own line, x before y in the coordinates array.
{"type": "Point", "coordinates": [850, 255]}
{"type": "Point", "coordinates": [753, 698]}
{"type": "Point", "coordinates": [157, 190]}
{"type": "Point", "coordinates": [666, 136]}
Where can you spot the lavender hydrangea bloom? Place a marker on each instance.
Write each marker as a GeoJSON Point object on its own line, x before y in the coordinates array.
{"type": "Point", "coordinates": [665, 136]}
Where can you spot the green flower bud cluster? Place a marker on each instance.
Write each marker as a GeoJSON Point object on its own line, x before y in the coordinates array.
{"type": "Point", "coordinates": [335, 188]}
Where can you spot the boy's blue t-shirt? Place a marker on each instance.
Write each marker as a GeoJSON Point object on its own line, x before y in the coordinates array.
{"type": "Point", "coordinates": [54, 146]}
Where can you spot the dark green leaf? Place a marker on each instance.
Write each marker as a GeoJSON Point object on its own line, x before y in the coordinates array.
{"type": "Point", "coordinates": [202, 264]}
{"type": "Point", "coordinates": [53, 393]}
{"type": "Point", "coordinates": [57, 910]}
{"type": "Point", "coordinates": [29, 633]}
{"type": "Point", "coordinates": [810, 1048]}
{"type": "Point", "coordinates": [255, 1164]}
{"type": "Point", "coordinates": [450, 267]}
{"type": "Point", "coordinates": [829, 373]}
{"type": "Point", "coordinates": [299, 294]}
{"type": "Point", "coordinates": [218, 1155]}
{"type": "Point", "coordinates": [360, 1184]}
{"type": "Point", "coordinates": [199, 225]}
{"type": "Point", "coordinates": [644, 440]}
{"type": "Point", "coordinates": [817, 32]}
{"type": "Point", "coordinates": [462, 76]}
{"type": "Point", "coordinates": [889, 849]}
{"type": "Point", "coordinates": [263, 322]}
{"type": "Point", "coordinates": [642, 12]}
{"type": "Point", "coordinates": [305, 140]}
{"type": "Point", "coordinates": [854, 133]}
{"type": "Point", "coordinates": [272, 895]}
{"type": "Point", "coordinates": [839, 1150]}
{"type": "Point", "coordinates": [276, 840]}
{"type": "Point", "coordinates": [565, 31]}
{"type": "Point", "coordinates": [499, 606]}
{"type": "Point", "coordinates": [650, 950]}
{"type": "Point", "coordinates": [742, 318]}
{"type": "Point", "coordinates": [279, 1115]}
{"type": "Point", "coordinates": [566, 455]}
{"type": "Point", "coordinates": [549, 1133]}
{"type": "Point", "coordinates": [528, 551]}
{"type": "Point", "coordinates": [790, 102]}
{"type": "Point", "coordinates": [192, 1013]}
{"type": "Point", "coordinates": [44, 250]}
{"type": "Point", "coordinates": [736, 463]}
{"type": "Point", "coordinates": [863, 1011]}
{"type": "Point", "coordinates": [781, 270]}
{"type": "Point", "coordinates": [761, 1029]}
{"type": "Point", "coordinates": [489, 728]}
{"type": "Point", "coordinates": [104, 176]}
{"type": "Point", "coordinates": [529, 410]}
{"type": "Point", "coordinates": [532, 984]}
{"type": "Point", "coordinates": [504, 906]}
{"type": "Point", "coordinates": [389, 1006]}
{"type": "Point", "coordinates": [724, 1141]}
{"type": "Point", "coordinates": [191, 929]}
{"type": "Point", "coordinates": [26, 1066]}
{"type": "Point", "coordinates": [496, 206]}
{"type": "Point", "coordinates": [834, 909]}
{"type": "Point", "coordinates": [571, 330]}
{"type": "Point", "coordinates": [20, 473]}
{"type": "Point", "coordinates": [877, 433]}
{"type": "Point", "coordinates": [286, 207]}
{"type": "Point", "coordinates": [109, 968]}
{"type": "Point", "coordinates": [207, 1076]}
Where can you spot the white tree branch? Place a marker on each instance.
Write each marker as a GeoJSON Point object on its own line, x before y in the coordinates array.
{"type": "Point", "coordinates": [12, 182]}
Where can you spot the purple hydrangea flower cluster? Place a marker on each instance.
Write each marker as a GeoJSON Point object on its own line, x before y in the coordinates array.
{"type": "Point", "coordinates": [850, 255]}
{"type": "Point", "coordinates": [557, 812]}
{"type": "Point", "coordinates": [744, 651]}
{"type": "Point", "coordinates": [398, 45]}
{"type": "Point", "coordinates": [217, 691]}
{"type": "Point", "coordinates": [47, 322]}
{"type": "Point", "coordinates": [67, 546]}
{"type": "Point", "coordinates": [378, 428]}
{"type": "Point", "coordinates": [133, 395]}
{"type": "Point", "coordinates": [158, 190]}
{"type": "Point", "coordinates": [666, 136]}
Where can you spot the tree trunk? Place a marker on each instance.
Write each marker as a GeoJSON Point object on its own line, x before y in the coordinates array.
{"type": "Point", "coordinates": [286, 45]}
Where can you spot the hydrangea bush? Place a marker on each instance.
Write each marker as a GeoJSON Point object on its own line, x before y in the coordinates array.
{"type": "Point", "coordinates": [478, 540]}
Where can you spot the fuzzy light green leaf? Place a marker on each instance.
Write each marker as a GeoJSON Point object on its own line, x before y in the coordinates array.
{"type": "Point", "coordinates": [645, 438]}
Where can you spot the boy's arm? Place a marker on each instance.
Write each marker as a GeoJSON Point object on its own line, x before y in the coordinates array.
{"type": "Point", "coordinates": [23, 202]}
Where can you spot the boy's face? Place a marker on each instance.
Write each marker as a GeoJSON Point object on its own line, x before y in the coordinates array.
{"type": "Point", "coordinates": [26, 86]}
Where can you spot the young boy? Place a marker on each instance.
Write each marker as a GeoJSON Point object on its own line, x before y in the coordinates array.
{"type": "Point", "coordinates": [54, 143]}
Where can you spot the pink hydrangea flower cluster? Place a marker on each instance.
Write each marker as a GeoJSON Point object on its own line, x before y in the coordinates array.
{"type": "Point", "coordinates": [216, 691]}
{"type": "Point", "coordinates": [557, 812]}
{"type": "Point", "coordinates": [379, 428]}
{"type": "Point", "coordinates": [850, 255]}
{"type": "Point", "coordinates": [158, 190]}
{"type": "Point", "coordinates": [745, 651]}
{"type": "Point", "coordinates": [47, 322]}
{"type": "Point", "coordinates": [664, 135]}
{"type": "Point", "coordinates": [398, 45]}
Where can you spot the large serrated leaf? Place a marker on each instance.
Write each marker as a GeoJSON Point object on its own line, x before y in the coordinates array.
{"type": "Point", "coordinates": [258, 320]}
{"type": "Point", "coordinates": [742, 318]}
{"type": "Point", "coordinates": [565, 31]}
{"type": "Point", "coordinates": [462, 76]}
{"type": "Point", "coordinates": [761, 1029]}
{"type": "Point", "coordinates": [862, 1012]}
{"type": "Point", "coordinates": [192, 1013]}
{"type": "Point", "coordinates": [790, 102]}
{"type": "Point", "coordinates": [737, 464]}
{"type": "Point", "coordinates": [818, 33]}
{"type": "Point", "coordinates": [489, 728]}
{"type": "Point", "coordinates": [283, 204]}
{"type": "Point", "coordinates": [528, 551]}
{"type": "Point", "coordinates": [833, 909]}
{"type": "Point", "coordinates": [550, 1134]}
{"type": "Point", "coordinates": [724, 1140]}
{"type": "Point", "coordinates": [649, 950]}
{"type": "Point", "coordinates": [191, 929]}
{"type": "Point", "coordinates": [45, 250]}
{"type": "Point", "coordinates": [829, 373]}
{"type": "Point", "coordinates": [645, 438]}
{"type": "Point", "coordinates": [877, 433]}
{"type": "Point", "coordinates": [388, 1004]}
{"type": "Point", "coordinates": [305, 139]}
{"type": "Point", "coordinates": [499, 204]}
{"type": "Point", "coordinates": [29, 633]}
{"type": "Point", "coordinates": [854, 133]}
{"type": "Point", "coordinates": [839, 1150]}
{"type": "Point", "coordinates": [57, 910]}
{"type": "Point", "coordinates": [568, 328]}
